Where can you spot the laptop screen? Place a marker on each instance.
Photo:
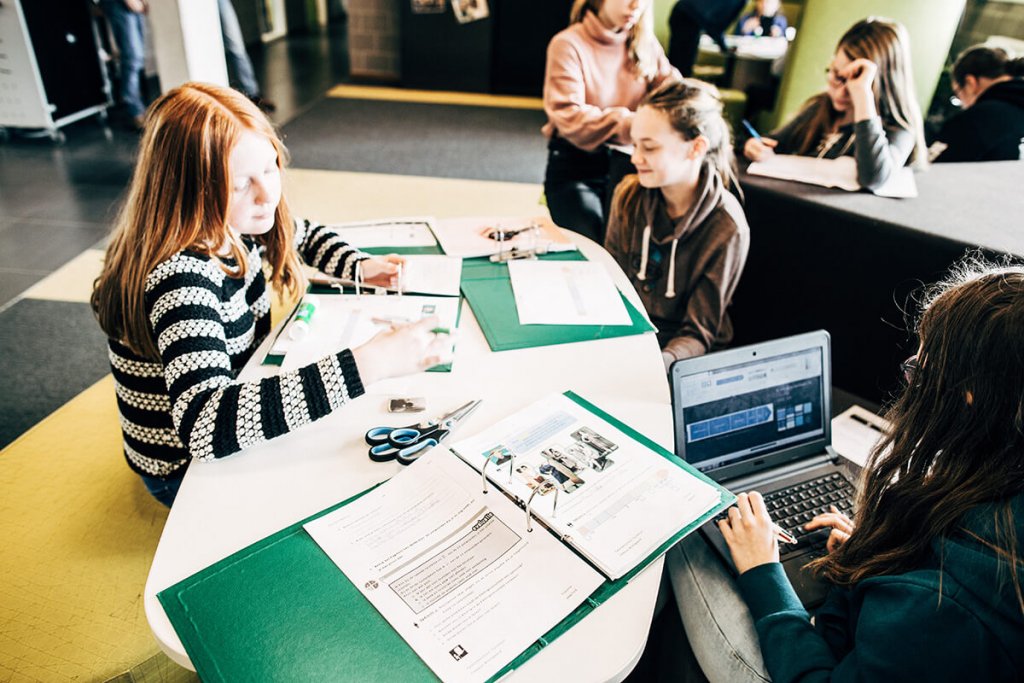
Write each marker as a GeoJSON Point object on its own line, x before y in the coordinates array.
{"type": "Point", "coordinates": [732, 414]}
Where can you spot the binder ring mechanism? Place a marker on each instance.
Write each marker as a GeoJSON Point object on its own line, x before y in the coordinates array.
{"type": "Point", "coordinates": [548, 484]}
{"type": "Point", "coordinates": [502, 235]}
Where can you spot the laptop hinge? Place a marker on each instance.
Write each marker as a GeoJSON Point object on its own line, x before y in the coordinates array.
{"type": "Point", "coordinates": [782, 471]}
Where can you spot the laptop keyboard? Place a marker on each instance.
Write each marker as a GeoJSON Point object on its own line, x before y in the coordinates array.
{"type": "Point", "coordinates": [794, 506]}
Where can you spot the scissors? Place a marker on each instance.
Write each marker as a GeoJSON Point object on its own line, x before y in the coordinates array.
{"type": "Point", "coordinates": [407, 444]}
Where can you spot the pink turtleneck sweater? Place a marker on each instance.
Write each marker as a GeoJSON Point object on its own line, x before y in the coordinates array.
{"type": "Point", "coordinates": [591, 88]}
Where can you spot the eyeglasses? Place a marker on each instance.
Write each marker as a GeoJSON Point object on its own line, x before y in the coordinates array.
{"type": "Point", "coordinates": [833, 77]}
{"type": "Point", "coordinates": [910, 367]}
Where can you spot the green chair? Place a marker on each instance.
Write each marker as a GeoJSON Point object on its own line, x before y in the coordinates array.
{"type": "Point", "coordinates": [822, 22]}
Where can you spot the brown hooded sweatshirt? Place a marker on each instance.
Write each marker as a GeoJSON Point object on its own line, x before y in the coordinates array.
{"type": "Point", "coordinates": [684, 269]}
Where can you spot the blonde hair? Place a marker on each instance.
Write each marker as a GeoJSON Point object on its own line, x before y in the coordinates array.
{"type": "Point", "coordinates": [641, 44]}
{"type": "Point", "coordinates": [886, 43]}
{"type": "Point", "coordinates": [179, 199]}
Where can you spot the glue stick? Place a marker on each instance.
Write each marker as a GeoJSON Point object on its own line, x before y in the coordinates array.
{"type": "Point", "coordinates": [300, 323]}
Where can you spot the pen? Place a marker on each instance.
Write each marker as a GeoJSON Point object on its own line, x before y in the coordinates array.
{"type": "Point", "coordinates": [750, 129]}
{"type": "Point", "coordinates": [441, 330]}
{"type": "Point", "coordinates": [784, 535]}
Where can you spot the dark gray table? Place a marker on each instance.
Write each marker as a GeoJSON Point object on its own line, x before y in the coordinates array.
{"type": "Point", "coordinates": [851, 262]}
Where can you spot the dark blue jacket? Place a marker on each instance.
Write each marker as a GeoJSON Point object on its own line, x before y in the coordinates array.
{"type": "Point", "coordinates": [955, 618]}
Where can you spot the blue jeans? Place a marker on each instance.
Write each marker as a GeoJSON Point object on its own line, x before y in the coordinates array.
{"type": "Point", "coordinates": [239, 65]}
{"type": "Point", "coordinates": [718, 623]}
{"type": "Point", "coordinates": [164, 490]}
{"type": "Point", "coordinates": [129, 29]}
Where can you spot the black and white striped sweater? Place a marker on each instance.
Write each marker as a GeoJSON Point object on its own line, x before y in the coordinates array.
{"type": "Point", "coordinates": [207, 325]}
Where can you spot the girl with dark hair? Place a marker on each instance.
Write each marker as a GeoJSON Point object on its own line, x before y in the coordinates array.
{"type": "Point", "coordinates": [597, 72]}
{"type": "Point", "coordinates": [929, 576]}
{"type": "Point", "coordinates": [183, 298]}
{"type": "Point", "coordinates": [675, 229]}
{"type": "Point", "coordinates": [990, 87]}
{"type": "Point", "coordinates": [869, 109]}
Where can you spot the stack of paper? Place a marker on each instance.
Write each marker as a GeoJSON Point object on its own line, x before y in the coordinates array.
{"type": "Point", "coordinates": [566, 293]}
{"type": "Point", "coordinates": [840, 173]}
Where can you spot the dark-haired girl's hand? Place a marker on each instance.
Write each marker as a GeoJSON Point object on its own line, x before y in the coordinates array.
{"type": "Point", "coordinates": [382, 271]}
{"type": "Point", "coordinates": [860, 75]}
{"type": "Point", "coordinates": [842, 526]}
{"type": "Point", "coordinates": [750, 532]}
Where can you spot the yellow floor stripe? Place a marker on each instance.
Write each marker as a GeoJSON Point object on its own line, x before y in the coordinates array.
{"type": "Point", "coordinates": [364, 92]}
{"type": "Point", "coordinates": [72, 281]}
{"type": "Point", "coordinates": [79, 532]}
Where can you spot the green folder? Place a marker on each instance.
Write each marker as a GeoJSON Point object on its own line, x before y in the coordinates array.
{"type": "Point", "coordinates": [281, 610]}
{"type": "Point", "coordinates": [488, 290]}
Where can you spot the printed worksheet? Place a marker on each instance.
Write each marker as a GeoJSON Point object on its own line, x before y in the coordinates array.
{"type": "Point", "coordinates": [611, 497]}
{"type": "Point", "coordinates": [566, 293]}
{"type": "Point", "coordinates": [345, 321]}
{"type": "Point", "coordinates": [388, 232]}
{"type": "Point", "coordinates": [453, 570]}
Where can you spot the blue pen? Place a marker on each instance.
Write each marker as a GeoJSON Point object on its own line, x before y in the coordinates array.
{"type": "Point", "coordinates": [750, 129]}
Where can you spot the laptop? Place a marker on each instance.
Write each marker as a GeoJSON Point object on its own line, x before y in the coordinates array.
{"type": "Point", "coordinates": [758, 418]}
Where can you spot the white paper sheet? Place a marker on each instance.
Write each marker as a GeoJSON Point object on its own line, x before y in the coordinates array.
{"type": "Point", "coordinates": [566, 293]}
{"type": "Point", "coordinates": [345, 321]}
{"type": "Point", "coordinates": [855, 432]}
{"type": "Point", "coordinates": [840, 173]}
{"type": "Point", "coordinates": [618, 501]}
{"type": "Point", "coordinates": [467, 237]}
{"type": "Point", "coordinates": [436, 275]}
{"type": "Point", "coordinates": [452, 570]}
{"type": "Point", "coordinates": [388, 232]}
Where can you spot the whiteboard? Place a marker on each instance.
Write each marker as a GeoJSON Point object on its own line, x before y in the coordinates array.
{"type": "Point", "coordinates": [22, 97]}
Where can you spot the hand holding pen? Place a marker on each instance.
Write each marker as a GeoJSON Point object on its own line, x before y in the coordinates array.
{"type": "Point", "coordinates": [758, 147]}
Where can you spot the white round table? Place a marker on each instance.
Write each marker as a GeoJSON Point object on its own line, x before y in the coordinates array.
{"type": "Point", "coordinates": [229, 504]}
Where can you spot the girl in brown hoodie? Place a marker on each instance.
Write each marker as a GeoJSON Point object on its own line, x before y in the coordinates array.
{"type": "Point", "coordinates": [675, 229]}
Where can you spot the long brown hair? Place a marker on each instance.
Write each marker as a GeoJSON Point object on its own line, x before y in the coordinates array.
{"type": "Point", "coordinates": [641, 43]}
{"type": "Point", "coordinates": [957, 438]}
{"type": "Point", "coordinates": [693, 108]}
{"type": "Point", "coordinates": [887, 44]}
{"type": "Point", "coordinates": [179, 198]}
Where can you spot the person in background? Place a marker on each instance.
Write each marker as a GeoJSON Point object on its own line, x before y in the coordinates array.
{"type": "Point", "coordinates": [691, 17]}
{"type": "Point", "coordinates": [869, 109]}
{"type": "Point", "coordinates": [675, 229]}
{"type": "Point", "coordinates": [598, 70]}
{"type": "Point", "coordinates": [183, 297]}
{"type": "Point", "coordinates": [128, 24]}
{"type": "Point", "coordinates": [767, 19]}
{"type": "Point", "coordinates": [929, 576]}
{"type": "Point", "coordinates": [990, 86]}
{"type": "Point", "coordinates": [243, 76]}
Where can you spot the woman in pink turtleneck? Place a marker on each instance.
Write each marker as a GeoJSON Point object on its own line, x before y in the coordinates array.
{"type": "Point", "coordinates": [598, 70]}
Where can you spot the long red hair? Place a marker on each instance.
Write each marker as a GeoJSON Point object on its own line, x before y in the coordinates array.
{"type": "Point", "coordinates": [179, 198]}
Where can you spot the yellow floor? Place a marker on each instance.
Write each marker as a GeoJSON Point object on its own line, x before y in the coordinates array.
{"type": "Point", "coordinates": [77, 527]}
{"type": "Point", "coordinates": [367, 92]}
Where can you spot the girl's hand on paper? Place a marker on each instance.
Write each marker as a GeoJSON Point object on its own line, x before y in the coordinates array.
{"type": "Point", "coordinates": [382, 271]}
{"type": "Point", "coordinates": [403, 350]}
{"type": "Point", "coordinates": [842, 526]}
{"type": "Point", "coordinates": [750, 533]}
{"type": "Point", "coordinates": [759, 149]}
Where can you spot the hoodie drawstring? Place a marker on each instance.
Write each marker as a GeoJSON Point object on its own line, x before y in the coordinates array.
{"type": "Point", "coordinates": [642, 275]}
{"type": "Point", "coordinates": [670, 288]}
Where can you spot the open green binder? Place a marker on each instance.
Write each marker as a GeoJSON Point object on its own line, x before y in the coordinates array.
{"type": "Point", "coordinates": [488, 290]}
{"type": "Point", "coordinates": [281, 610]}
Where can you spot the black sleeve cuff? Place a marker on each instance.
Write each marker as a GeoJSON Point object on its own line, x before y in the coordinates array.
{"type": "Point", "coordinates": [350, 371]}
